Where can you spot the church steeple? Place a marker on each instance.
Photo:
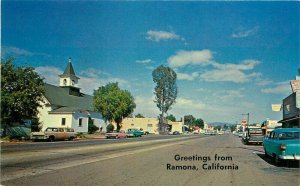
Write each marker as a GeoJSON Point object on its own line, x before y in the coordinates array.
{"type": "Point", "coordinates": [68, 78]}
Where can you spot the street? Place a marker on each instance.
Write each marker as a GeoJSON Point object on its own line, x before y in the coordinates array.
{"type": "Point", "coordinates": [182, 160]}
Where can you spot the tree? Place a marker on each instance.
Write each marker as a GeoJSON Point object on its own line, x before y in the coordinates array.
{"type": "Point", "coordinates": [113, 103]}
{"type": "Point", "coordinates": [171, 117]}
{"type": "Point", "coordinates": [139, 116]}
{"type": "Point", "coordinates": [110, 128]}
{"type": "Point", "coordinates": [189, 121]}
{"type": "Point", "coordinates": [199, 123]}
{"type": "Point", "coordinates": [92, 128]}
{"type": "Point", "coordinates": [218, 127]}
{"type": "Point", "coordinates": [165, 90]}
{"type": "Point", "coordinates": [22, 92]}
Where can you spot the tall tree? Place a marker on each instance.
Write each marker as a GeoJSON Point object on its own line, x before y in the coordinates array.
{"type": "Point", "coordinates": [113, 103]}
{"type": "Point", "coordinates": [22, 92]}
{"type": "Point", "coordinates": [165, 90]}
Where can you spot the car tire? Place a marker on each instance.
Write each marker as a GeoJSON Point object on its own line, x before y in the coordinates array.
{"type": "Point", "coordinates": [266, 154]}
{"type": "Point", "coordinates": [277, 161]}
{"type": "Point", "coordinates": [51, 138]}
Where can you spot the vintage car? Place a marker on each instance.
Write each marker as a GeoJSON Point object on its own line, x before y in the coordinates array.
{"type": "Point", "coordinates": [115, 134]}
{"type": "Point", "coordinates": [283, 144]}
{"type": "Point", "coordinates": [54, 133]}
{"type": "Point", "coordinates": [134, 133]}
{"type": "Point", "coordinates": [253, 134]}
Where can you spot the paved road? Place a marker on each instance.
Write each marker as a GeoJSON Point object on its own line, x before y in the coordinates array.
{"type": "Point", "coordinates": [25, 146]}
{"type": "Point", "coordinates": [214, 160]}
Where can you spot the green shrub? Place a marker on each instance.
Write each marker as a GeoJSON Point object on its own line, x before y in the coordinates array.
{"type": "Point", "coordinates": [110, 128]}
{"type": "Point", "coordinates": [92, 128]}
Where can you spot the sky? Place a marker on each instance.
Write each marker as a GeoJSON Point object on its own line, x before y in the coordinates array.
{"type": "Point", "coordinates": [231, 58]}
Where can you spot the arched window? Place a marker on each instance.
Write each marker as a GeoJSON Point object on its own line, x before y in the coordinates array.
{"type": "Point", "coordinates": [65, 82]}
{"type": "Point", "coordinates": [73, 82]}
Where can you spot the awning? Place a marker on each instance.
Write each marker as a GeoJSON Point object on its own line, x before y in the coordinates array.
{"type": "Point", "coordinates": [289, 119]}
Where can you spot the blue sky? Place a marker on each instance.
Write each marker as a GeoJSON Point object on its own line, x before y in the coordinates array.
{"type": "Point", "coordinates": [230, 57]}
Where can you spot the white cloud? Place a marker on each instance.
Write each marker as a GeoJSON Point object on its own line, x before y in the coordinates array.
{"type": "Point", "coordinates": [189, 77]}
{"type": "Point", "coordinates": [231, 72]}
{"type": "Point", "coordinates": [183, 58]}
{"type": "Point", "coordinates": [185, 103]}
{"type": "Point", "coordinates": [228, 72]}
{"type": "Point", "coordinates": [247, 64]}
{"type": "Point", "coordinates": [146, 106]}
{"type": "Point", "coordinates": [157, 36]}
{"type": "Point", "coordinates": [230, 75]}
{"type": "Point", "coordinates": [245, 33]}
{"type": "Point", "coordinates": [50, 74]}
{"type": "Point", "coordinates": [16, 51]}
{"type": "Point", "coordinates": [231, 94]}
{"type": "Point", "coordinates": [278, 88]}
{"type": "Point", "coordinates": [90, 79]}
{"type": "Point", "coordinates": [144, 61]}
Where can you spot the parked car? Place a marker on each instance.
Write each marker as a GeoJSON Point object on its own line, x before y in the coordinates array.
{"type": "Point", "coordinates": [116, 135]}
{"type": "Point", "coordinates": [195, 132]}
{"type": "Point", "coordinates": [221, 132]}
{"type": "Point", "coordinates": [144, 132]}
{"type": "Point", "coordinates": [253, 134]}
{"type": "Point", "coordinates": [134, 133]}
{"type": "Point", "coordinates": [54, 133]}
{"type": "Point", "coordinates": [283, 144]}
{"type": "Point", "coordinates": [176, 133]}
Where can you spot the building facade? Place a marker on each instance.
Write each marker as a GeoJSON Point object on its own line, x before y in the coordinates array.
{"type": "Point", "coordinates": [291, 106]}
{"type": "Point", "coordinates": [66, 106]}
{"type": "Point", "coordinates": [148, 124]}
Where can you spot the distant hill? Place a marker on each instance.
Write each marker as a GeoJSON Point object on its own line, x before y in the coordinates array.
{"type": "Point", "coordinates": [220, 124]}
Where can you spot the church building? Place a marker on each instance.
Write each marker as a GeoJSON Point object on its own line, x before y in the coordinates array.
{"type": "Point", "coordinates": [66, 106]}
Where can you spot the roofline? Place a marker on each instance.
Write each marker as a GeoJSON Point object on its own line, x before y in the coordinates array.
{"type": "Point", "coordinates": [289, 119]}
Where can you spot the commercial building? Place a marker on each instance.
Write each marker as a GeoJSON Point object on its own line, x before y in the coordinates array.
{"type": "Point", "coordinates": [291, 106]}
{"type": "Point", "coordinates": [149, 124]}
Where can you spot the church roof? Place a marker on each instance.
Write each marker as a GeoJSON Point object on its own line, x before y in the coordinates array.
{"type": "Point", "coordinates": [60, 98]}
{"type": "Point", "coordinates": [69, 71]}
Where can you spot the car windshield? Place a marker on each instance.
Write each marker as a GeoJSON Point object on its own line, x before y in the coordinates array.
{"type": "Point", "coordinates": [289, 135]}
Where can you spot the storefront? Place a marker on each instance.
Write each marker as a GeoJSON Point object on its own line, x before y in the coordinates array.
{"type": "Point", "coordinates": [291, 111]}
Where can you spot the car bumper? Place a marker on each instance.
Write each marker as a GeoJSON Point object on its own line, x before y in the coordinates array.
{"type": "Point", "coordinates": [255, 141]}
{"type": "Point", "coordinates": [290, 157]}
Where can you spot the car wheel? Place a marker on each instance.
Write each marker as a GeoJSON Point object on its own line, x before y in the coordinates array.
{"type": "Point", "coordinates": [71, 138]}
{"type": "Point", "coordinates": [276, 160]}
{"type": "Point", "coordinates": [266, 154]}
{"type": "Point", "coordinates": [51, 138]}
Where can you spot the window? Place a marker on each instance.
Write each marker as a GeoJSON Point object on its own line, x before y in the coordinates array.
{"type": "Point", "coordinates": [65, 82]}
{"type": "Point", "coordinates": [80, 122]}
{"type": "Point", "coordinates": [73, 82]}
{"type": "Point", "coordinates": [63, 121]}
{"type": "Point", "coordinates": [149, 125]}
{"type": "Point", "coordinates": [132, 124]}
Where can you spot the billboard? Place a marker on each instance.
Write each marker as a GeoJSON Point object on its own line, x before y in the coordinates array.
{"type": "Point", "coordinates": [289, 106]}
